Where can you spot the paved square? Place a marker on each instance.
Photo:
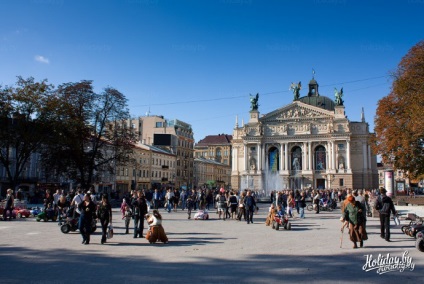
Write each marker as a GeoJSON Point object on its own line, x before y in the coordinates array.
{"type": "Point", "coordinates": [212, 251]}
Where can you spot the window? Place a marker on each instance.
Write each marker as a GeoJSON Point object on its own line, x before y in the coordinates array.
{"type": "Point", "coordinates": [218, 152]}
{"type": "Point", "coordinates": [341, 182]}
{"type": "Point", "coordinates": [159, 124]}
{"type": "Point", "coordinates": [320, 158]}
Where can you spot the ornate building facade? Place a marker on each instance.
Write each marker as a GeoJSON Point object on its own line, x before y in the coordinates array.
{"type": "Point", "coordinates": [215, 147]}
{"type": "Point", "coordinates": [308, 143]}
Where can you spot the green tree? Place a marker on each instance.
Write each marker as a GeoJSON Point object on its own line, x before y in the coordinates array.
{"type": "Point", "coordinates": [84, 141]}
{"type": "Point", "coordinates": [399, 127]}
{"type": "Point", "coordinates": [24, 116]}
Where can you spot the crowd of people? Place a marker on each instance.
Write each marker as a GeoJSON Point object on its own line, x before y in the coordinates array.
{"type": "Point", "coordinates": [355, 207]}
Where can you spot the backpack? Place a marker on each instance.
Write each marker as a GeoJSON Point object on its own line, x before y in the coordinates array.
{"type": "Point", "coordinates": [249, 202]}
{"type": "Point", "coordinates": [378, 204]}
{"type": "Point", "coordinates": [385, 208]}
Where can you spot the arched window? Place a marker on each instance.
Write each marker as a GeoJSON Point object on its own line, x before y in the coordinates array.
{"type": "Point", "coordinates": [273, 159]}
{"type": "Point", "coordinates": [296, 159]}
{"type": "Point", "coordinates": [320, 158]}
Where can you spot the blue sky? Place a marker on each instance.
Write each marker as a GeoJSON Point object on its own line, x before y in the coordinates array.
{"type": "Point", "coordinates": [198, 61]}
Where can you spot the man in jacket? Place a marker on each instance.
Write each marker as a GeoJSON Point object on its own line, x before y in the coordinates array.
{"type": "Point", "coordinates": [139, 211]}
{"type": "Point", "coordinates": [387, 206]}
{"type": "Point", "coordinates": [249, 205]}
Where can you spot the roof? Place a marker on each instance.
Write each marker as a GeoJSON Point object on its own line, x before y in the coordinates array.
{"type": "Point", "coordinates": [319, 101]}
{"type": "Point", "coordinates": [219, 139]}
{"type": "Point", "coordinates": [154, 149]}
{"type": "Point", "coordinates": [208, 161]}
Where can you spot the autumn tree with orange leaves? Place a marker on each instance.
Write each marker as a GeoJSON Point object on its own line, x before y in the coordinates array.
{"type": "Point", "coordinates": [399, 122]}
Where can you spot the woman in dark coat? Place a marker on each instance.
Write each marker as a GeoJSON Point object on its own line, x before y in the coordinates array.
{"type": "Point", "coordinates": [88, 212]}
{"type": "Point", "coordinates": [354, 215]}
{"type": "Point", "coordinates": [104, 213]}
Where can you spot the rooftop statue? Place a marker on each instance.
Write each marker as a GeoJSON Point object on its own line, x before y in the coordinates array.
{"type": "Point", "coordinates": [254, 102]}
{"type": "Point", "coordinates": [296, 90]}
{"type": "Point", "coordinates": [338, 97]}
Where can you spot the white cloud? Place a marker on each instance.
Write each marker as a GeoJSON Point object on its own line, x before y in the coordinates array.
{"type": "Point", "coordinates": [42, 59]}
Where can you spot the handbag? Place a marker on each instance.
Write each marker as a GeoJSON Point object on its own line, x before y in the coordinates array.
{"type": "Point", "coordinates": [110, 232]}
{"type": "Point", "coordinates": [396, 220]}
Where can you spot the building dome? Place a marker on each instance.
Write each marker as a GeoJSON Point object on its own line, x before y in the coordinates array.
{"type": "Point", "coordinates": [319, 101]}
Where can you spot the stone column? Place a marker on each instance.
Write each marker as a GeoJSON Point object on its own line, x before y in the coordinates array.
{"type": "Point", "coordinates": [235, 160]}
{"type": "Point", "coordinates": [246, 158]}
{"type": "Point", "coordinates": [328, 155]}
{"type": "Point", "coordinates": [286, 157]}
{"type": "Point", "coordinates": [369, 157]}
{"type": "Point", "coordinates": [333, 151]}
{"type": "Point", "coordinates": [310, 155]}
{"type": "Point", "coordinates": [348, 154]}
{"type": "Point", "coordinates": [282, 159]}
{"type": "Point", "coordinates": [259, 158]}
{"type": "Point", "coordinates": [364, 155]}
{"type": "Point", "coordinates": [305, 157]}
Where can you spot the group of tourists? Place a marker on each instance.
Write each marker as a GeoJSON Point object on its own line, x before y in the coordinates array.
{"type": "Point", "coordinates": [136, 208]}
{"type": "Point", "coordinates": [354, 215]}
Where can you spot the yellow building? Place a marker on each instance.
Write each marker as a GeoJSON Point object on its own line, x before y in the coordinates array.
{"type": "Point", "coordinates": [148, 167]}
{"type": "Point", "coordinates": [215, 147]}
{"type": "Point", "coordinates": [210, 173]}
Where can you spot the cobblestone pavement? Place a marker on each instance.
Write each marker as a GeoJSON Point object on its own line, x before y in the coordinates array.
{"type": "Point", "coordinates": [212, 251]}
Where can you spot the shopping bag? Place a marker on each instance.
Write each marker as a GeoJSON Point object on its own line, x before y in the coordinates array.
{"type": "Point", "coordinates": [110, 232]}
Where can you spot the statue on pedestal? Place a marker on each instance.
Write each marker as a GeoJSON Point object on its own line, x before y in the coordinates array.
{"type": "Point", "coordinates": [254, 102]}
{"type": "Point", "coordinates": [338, 97]}
{"type": "Point", "coordinates": [296, 90]}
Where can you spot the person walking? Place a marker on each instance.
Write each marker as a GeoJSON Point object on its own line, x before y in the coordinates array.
{"type": "Point", "coordinates": [316, 200]}
{"type": "Point", "coordinates": [8, 205]}
{"type": "Point", "coordinates": [385, 206]}
{"type": "Point", "coordinates": [191, 200]}
{"type": "Point", "coordinates": [176, 200]}
{"type": "Point", "coordinates": [249, 206]}
{"type": "Point", "coordinates": [302, 205]}
{"type": "Point", "coordinates": [290, 204]}
{"type": "Point", "coordinates": [104, 213]}
{"type": "Point", "coordinates": [222, 205]}
{"type": "Point", "coordinates": [139, 211]}
{"type": "Point", "coordinates": [241, 209]}
{"type": "Point", "coordinates": [233, 204]}
{"type": "Point", "coordinates": [296, 200]}
{"type": "Point", "coordinates": [88, 211]}
{"type": "Point", "coordinates": [355, 218]}
{"type": "Point", "coordinates": [127, 217]}
{"type": "Point", "coordinates": [156, 198]}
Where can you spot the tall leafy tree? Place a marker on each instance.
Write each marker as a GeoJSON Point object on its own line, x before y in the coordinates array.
{"type": "Point", "coordinates": [24, 116]}
{"type": "Point", "coordinates": [399, 127]}
{"type": "Point", "coordinates": [85, 141]}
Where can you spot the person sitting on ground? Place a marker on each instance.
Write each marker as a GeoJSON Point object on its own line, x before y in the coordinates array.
{"type": "Point", "coordinates": [156, 231]}
{"type": "Point", "coordinates": [271, 214]}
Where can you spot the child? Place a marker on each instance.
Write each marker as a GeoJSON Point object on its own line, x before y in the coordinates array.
{"type": "Point", "coordinates": [127, 216]}
{"type": "Point", "coordinates": [280, 211]}
{"type": "Point", "coordinates": [124, 203]}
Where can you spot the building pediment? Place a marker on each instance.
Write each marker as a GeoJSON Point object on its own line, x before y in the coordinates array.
{"type": "Point", "coordinates": [297, 111]}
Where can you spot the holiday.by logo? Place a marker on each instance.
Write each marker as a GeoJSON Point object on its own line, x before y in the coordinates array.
{"type": "Point", "coordinates": [388, 263]}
